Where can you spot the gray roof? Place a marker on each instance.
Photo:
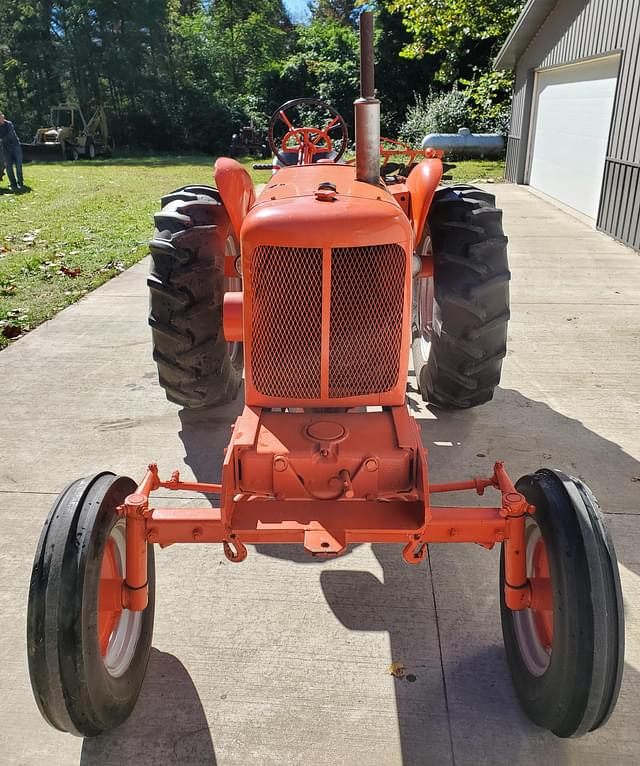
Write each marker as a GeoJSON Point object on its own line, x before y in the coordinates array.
{"type": "Point", "coordinates": [528, 23]}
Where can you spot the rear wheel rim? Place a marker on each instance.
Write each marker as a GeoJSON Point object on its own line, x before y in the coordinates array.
{"type": "Point", "coordinates": [534, 627]}
{"type": "Point", "coordinates": [425, 314]}
{"type": "Point", "coordinates": [118, 630]}
{"type": "Point", "coordinates": [426, 306]}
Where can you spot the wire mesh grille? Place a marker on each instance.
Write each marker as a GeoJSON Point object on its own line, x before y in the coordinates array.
{"type": "Point", "coordinates": [367, 298]}
{"type": "Point", "coordinates": [286, 321]}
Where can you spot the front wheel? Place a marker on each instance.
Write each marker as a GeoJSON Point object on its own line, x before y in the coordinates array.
{"type": "Point", "coordinates": [87, 661]}
{"type": "Point", "coordinates": [566, 661]}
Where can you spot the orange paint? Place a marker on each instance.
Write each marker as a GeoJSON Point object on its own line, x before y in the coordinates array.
{"type": "Point", "coordinates": [422, 183]}
{"type": "Point", "coordinates": [313, 271]}
{"type": "Point", "coordinates": [109, 596]}
{"type": "Point", "coordinates": [236, 189]}
{"type": "Point", "coordinates": [326, 480]}
{"type": "Point", "coordinates": [232, 317]}
{"type": "Point", "coordinates": [542, 595]}
{"type": "Point", "coordinates": [325, 318]}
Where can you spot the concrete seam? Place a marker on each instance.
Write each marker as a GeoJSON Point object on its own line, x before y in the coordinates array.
{"type": "Point", "coordinates": [444, 679]}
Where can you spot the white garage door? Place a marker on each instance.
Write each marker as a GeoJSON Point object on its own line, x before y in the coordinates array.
{"type": "Point", "coordinates": [571, 121]}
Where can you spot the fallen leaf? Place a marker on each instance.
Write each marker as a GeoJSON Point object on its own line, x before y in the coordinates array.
{"type": "Point", "coordinates": [70, 272]}
{"type": "Point", "coordinates": [8, 290]}
{"type": "Point", "coordinates": [12, 331]}
{"type": "Point", "coordinates": [112, 266]}
{"type": "Point", "coordinates": [31, 236]}
{"type": "Point", "coordinates": [397, 669]}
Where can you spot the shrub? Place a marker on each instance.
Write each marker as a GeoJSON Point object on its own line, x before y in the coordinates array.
{"type": "Point", "coordinates": [489, 101]}
{"type": "Point", "coordinates": [436, 113]}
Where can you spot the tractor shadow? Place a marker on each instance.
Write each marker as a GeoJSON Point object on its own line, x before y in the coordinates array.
{"type": "Point", "coordinates": [443, 618]}
{"type": "Point", "coordinates": [529, 435]}
{"type": "Point", "coordinates": [168, 724]}
{"type": "Point", "coordinates": [205, 434]}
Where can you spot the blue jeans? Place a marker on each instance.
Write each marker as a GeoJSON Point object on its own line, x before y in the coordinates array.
{"type": "Point", "coordinates": [13, 159]}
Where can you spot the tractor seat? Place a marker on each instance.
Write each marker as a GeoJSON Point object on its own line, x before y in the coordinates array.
{"type": "Point", "coordinates": [291, 157]}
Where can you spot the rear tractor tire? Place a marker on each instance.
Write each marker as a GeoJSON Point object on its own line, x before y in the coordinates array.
{"type": "Point", "coordinates": [196, 366]}
{"type": "Point", "coordinates": [87, 662]}
{"type": "Point", "coordinates": [460, 315]}
{"type": "Point", "coordinates": [566, 661]}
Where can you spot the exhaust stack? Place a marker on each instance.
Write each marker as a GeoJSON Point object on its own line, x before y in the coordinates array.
{"type": "Point", "coordinates": [367, 109]}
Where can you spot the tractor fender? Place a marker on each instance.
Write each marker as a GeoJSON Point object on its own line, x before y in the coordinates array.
{"type": "Point", "coordinates": [236, 190]}
{"type": "Point", "coordinates": [422, 183]}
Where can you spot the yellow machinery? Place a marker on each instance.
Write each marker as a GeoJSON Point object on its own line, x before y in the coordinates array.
{"type": "Point", "coordinates": [70, 136]}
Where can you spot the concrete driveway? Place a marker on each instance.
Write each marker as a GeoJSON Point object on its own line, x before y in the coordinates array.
{"type": "Point", "coordinates": [284, 660]}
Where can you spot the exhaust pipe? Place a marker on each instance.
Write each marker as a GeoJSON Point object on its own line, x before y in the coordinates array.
{"type": "Point", "coordinates": [367, 109]}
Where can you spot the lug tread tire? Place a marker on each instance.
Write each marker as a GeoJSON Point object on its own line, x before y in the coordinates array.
{"type": "Point", "coordinates": [471, 283]}
{"type": "Point", "coordinates": [186, 286]}
{"type": "Point", "coordinates": [72, 688]}
{"type": "Point", "coordinates": [578, 691]}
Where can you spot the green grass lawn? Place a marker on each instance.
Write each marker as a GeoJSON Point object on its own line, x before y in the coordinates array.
{"type": "Point", "coordinates": [83, 223]}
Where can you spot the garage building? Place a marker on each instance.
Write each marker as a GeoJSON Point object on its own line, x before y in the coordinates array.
{"type": "Point", "coordinates": [575, 124]}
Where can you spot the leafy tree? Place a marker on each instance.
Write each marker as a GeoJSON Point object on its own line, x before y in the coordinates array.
{"type": "Point", "coordinates": [398, 78]}
{"type": "Point", "coordinates": [29, 62]}
{"type": "Point", "coordinates": [335, 10]}
{"type": "Point", "coordinates": [463, 32]}
{"type": "Point", "coordinates": [188, 73]}
{"type": "Point", "coordinates": [248, 34]}
{"type": "Point", "coordinates": [323, 64]}
{"type": "Point", "coordinates": [489, 101]}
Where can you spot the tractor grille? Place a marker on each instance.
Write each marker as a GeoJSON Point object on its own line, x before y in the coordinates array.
{"type": "Point", "coordinates": [365, 323]}
{"type": "Point", "coordinates": [286, 321]}
{"type": "Point", "coordinates": [367, 292]}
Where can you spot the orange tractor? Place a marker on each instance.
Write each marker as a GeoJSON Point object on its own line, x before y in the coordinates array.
{"type": "Point", "coordinates": [320, 288]}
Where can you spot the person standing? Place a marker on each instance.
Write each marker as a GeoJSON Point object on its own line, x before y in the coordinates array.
{"type": "Point", "coordinates": [12, 153]}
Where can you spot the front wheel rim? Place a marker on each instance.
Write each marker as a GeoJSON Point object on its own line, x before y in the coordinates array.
{"type": "Point", "coordinates": [118, 630]}
{"type": "Point", "coordinates": [534, 627]}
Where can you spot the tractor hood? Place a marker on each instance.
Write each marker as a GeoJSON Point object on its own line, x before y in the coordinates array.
{"type": "Point", "coordinates": [321, 206]}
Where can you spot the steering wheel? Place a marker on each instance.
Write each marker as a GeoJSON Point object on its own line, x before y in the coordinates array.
{"type": "Point", "coordinates": [307, 141]}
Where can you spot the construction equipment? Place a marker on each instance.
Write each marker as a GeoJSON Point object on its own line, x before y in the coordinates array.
{"type": "Point", "coordinates": [341, 273]}
{"type": "Point", "coordinates": [248, 141]}
{"type": "Point", "coordinates": [70, 136]}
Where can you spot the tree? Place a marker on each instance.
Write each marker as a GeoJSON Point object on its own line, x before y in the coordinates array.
{"type": "Point", "coordinates": [335, 10]}
{"type": "Point", "coordinates": [466, 33]}
{"type": "Point", "coordinates": [323, 64]}
{"type": "Point", "coordinates": [398, 78]}
{"type": "Point", "coordinates": [30, 71]}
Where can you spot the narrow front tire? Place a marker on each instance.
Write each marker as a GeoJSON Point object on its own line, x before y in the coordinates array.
{"type": "Point", "coordinates": [566, 662]}
{"type": "Point", "coordinates": [87, 662]}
